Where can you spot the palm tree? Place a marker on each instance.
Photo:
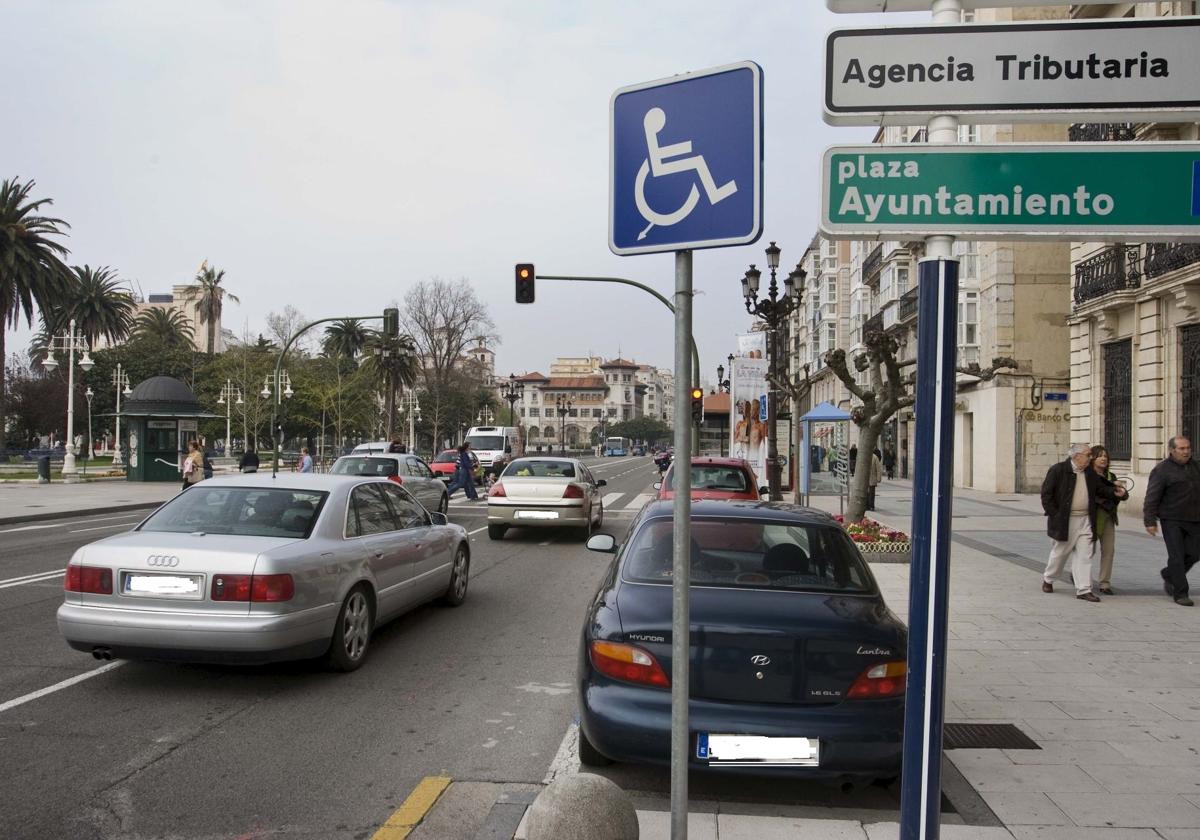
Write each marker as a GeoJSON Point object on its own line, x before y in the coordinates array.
{"type": "Point", "coordinates": [32, 272]}
{"type": "Point", "coordinates": [168, 325]}
{"type": "Point", "coordinates": [98, 305]}
{"type": "Point", "coordinates": [345, 338]}
{"type": "Point", "coordinates": [392, 362]}
{"type": "Point", "coordinates": [210, 298]}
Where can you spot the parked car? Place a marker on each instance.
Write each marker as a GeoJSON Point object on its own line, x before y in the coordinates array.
{"type": "Point", "coordinates": [408, 470]}
{"type": "Point", "coordinates": [715, 478]}
{"type": "Point", "coordinates": [638, 450]}
{"type": "Point", "coordinates": [445, 465]}
{"type": "Point", "coordinates": [798, 665]}
{"type": "Point", "coordinates": [251, 568]}
{"type": "Point", "coordinates": [545, 492]}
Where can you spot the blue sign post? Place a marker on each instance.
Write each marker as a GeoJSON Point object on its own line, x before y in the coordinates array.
{"type": "Point", "coordinates": [685, 158]}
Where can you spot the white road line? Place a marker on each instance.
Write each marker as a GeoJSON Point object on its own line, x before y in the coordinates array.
{"type": "Point", "coordinates": [611, 499]}
{"type": "Point", "coordinates": [640, 500]}
{"type": "Point", "coordinates": [32, 575]}
{"type": "Point", "coordinates": [138, 516]}
{"type": "Point", "coordinates": [32, 528]}
{"type": "Point", "coordinates": [476, 531]}
{"type": "Point", "coordinates": [101, 528]}
{"type": "Point", "coordinates": [33, 579]}
{"type": "Point", "coordinates": [566, 760]}
{"type": "Point", "coordinates": [42, 692]}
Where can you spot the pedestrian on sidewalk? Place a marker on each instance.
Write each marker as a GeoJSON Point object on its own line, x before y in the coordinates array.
{"type": "Point", "coordinates": [1173, 499]}
{"type": "Point", "coordinates": [1106, 520]}
{"type": "Point", "coordinates": [1069, 497]}
{"type": "Point", "coordinates": [193, 466]}
{"type": "Point", "coordinates": [874, 478]}
{"type": "Point", "coordinates": [889, 462]}
{"type": "Point", "coordinates": [249, 460]}
{"type": "Point", "coordinates": [206, 455]}
{"type": "Point", "coordinates": [464, 476]}
{"type": "Point", "coordinates": [306, 461]}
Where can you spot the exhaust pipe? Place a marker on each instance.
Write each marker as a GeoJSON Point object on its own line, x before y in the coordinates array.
{"type": "Point", "coordinates": [102, 653]}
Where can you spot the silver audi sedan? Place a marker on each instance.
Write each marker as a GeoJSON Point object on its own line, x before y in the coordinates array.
{"type": "Point", "coordinates": [251, 568]}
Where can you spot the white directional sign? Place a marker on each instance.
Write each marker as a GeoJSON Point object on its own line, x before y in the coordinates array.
{"type": "Point", "coordinates": [926, 5]}
{"type": "Point", "coordinates": [1115, 69]}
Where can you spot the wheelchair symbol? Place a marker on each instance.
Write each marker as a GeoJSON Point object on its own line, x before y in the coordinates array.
{"type": "Point", "coordinates": [656, 165]}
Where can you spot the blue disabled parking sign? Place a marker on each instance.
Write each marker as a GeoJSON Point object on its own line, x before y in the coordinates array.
{"type": "Point", "coordinates": [685, 162]}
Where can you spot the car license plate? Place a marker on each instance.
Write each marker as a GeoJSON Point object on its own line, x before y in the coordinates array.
{"type": "Point", "coordinates": [537, 514]}
{"type": "Point", "coordinates": [163, 586]}
{"type": "Point", "coordinates": [741, 750]}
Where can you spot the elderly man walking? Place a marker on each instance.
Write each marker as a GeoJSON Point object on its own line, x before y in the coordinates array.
{"type": "Point", "coordinates": [1069, 496]}
{"type": "Point", "coordinates": [1173, 498]}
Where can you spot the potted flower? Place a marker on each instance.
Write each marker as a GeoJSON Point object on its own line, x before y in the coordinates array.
{"type": "Point", "coordinates": [877, 543]}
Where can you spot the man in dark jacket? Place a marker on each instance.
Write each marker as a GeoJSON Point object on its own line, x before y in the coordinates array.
{"type": "Point", "coordinates": [1069, 496]}
{"type": "Point", "coordinates": [1173, 498]}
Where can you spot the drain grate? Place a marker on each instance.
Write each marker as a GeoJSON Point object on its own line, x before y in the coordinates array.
{"type": "Point", "coordinates": [986, 736]}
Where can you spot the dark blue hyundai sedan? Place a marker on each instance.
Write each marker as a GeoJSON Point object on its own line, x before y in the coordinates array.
{"type": "Point", "coordinates": [798, 666]}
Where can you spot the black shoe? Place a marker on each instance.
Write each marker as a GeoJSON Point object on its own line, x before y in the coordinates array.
{"type": "Point", "coordinates": [1184, 601]}
{"type": "Point", "coordinates": [1168, 587]}
{"type": "Point", "coordinates": [1088, 596]}
{"type": "Point", "coordinates": [1106, 590]}
{"type": "Point", "coordinates": [1047, 587]}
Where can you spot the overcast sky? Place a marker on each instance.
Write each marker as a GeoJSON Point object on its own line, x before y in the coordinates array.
{"type": "Point", "coordinates": [331, 154]}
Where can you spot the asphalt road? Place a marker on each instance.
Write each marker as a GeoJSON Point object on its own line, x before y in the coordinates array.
{"type": "Point", "coordinates": [481, 693]}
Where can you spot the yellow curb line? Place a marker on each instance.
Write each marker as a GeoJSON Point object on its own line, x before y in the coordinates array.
{"type": "Point", "coordinates": [401, 823]}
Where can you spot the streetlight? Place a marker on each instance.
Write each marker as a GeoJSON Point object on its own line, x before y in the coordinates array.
{"type": "Point", "coordinates": [772, 310]}
{"type": "Point", "coordinates": [485, 416]}
{"type": "Point", "coordinates": [89, 394]}
{"type": "Point", "coordinates": [563, 406]}
{"type": "Point", "coordinates": [226, 398]}
{"type": "Point", "coordinates": [283, 388]}
{"type": "Point", "coordinates": [70, 342]}
{"type": "Point", "coordinates": [512, 391]}
{"type": "Point", "coordinates": [120, 380]}
{"type": "Point", "coordinates": [722, 382]}
{"type": "Point", "coordinates": [412, 407]}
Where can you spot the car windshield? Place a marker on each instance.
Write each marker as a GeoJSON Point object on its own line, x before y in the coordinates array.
{"type": "Point", "coordinates": [244, 511]}
{"type": "Point", "coordinates": [486, 442]}
{"type": "Point", "coordinates": [363, 465]}
{"type": "Point", "coordinates": [752, 554]}
{"type": "Point", "coordinates": [532, 468]}
{"type": "Point", "coordinates": [714, 477]}
{"type": "Point", "coordinates": [450, 457]}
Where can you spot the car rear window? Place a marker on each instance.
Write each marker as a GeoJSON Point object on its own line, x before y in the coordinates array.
{"type": "Point", "coordinates": [751, 554]}
{"type": "Point", "coordinates": [531, 468]}
{"type": "Point", "coordinates": [446, 458]}
{"type": "Point", "coordinates": [715, 477]}
{"type": "Point", "coordinates": [352, 465]}
{"type": "Point", "coordinates": [244, 511]}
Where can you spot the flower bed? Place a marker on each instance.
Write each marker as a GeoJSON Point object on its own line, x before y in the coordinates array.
{"type": "Point", "coordinates": [877, 543]}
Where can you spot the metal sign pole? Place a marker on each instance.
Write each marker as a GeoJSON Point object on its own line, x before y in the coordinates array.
{"type": "Point", "coordinates": [681, 553]}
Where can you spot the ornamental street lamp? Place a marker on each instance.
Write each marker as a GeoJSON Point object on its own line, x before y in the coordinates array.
{"type": "Point", "coordinates": [69, 343]}
{"type": "Point", "coordinates": [563, 406]}
{"type": "Point", "coordinates": [722, 382]}
{"type": "Point", "coordinates": [120, 381]}
{"type": "Point", "coordinates": [485, 416]}
{"type": "Point", "coordinates": [773, 310]}
{"type": "Point", "coordinates": [412, 408]}
{"type": "Point", "coordinates": [228, 392]}
{"type": "Point", "coordinates": [89, 393]}
{"type": "Point", "coordinates": [512, 391]}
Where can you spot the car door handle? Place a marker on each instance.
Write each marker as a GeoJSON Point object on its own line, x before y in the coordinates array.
{"type": "Point", "coordinates": [378, 555]}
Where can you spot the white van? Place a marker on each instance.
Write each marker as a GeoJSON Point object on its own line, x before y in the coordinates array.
{"type": "Point", "coordinates": [495, 446]}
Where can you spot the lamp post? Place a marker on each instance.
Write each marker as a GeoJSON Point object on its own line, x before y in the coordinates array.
{"type": "Point", "coordinates": [226, 398]}
{"type": "Point", "coordinates": [512, 391]}
{"type": "Point", "coordinates": [283, 389]}
{"type": "Point", "coordinates": [563, 406]}
{"type": "Point", "coordinates": [70, 342]}
{"type": "Point", "coordinates": [772, 310]}
{"type": "Point", "coordinates": [722, 382]}
{"type": "Point", "coordinates": [723, 386]}
{"type": "Point", "coordinates": [89, 394]}
{"type": "Point", "coordinates": [603, 428]}
{"type": "Point", "coordinates": [412, 408]}
{"type": "Point", "coordinates": [485, 416]}
{"type": "Point", "coordinates": [120, 380]}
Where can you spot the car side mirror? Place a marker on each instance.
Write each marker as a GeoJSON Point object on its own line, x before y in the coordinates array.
{"type": "Point", "coordinates": [657, 485]}
{"type": "Point", "coordinates": [763, 491]}
{"type": "Point", "coordinates": [508, 450]}
{"type": "Point", "coordinates": [439, 518]}
{"type": "Point", "coordinates": [605, 543]}
{"type": "Point", "coordinates": [601, 482]}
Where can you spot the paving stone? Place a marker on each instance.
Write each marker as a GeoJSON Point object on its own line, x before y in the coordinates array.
{"type": "Point", "coordinates": [1131, 810]}
{"type": "Point", "coordinates": [1159, 753]}
{"type": "Point", "coordinates": [1025, 808]}
{"type": "Point", "coordinates": [1029, 777]}
{"type": "Point", "coordinates": [1135, 712]}
{"type": "Point", "coordinates": [656, 825]}
{"type": "Point", "coordinates": [1051, 832]}
{"type": "Point", "coordinates": [732, 827]}
{"type": "Point", "coordinates": [891, 831]}
{"type": "Point", "coordinates": [1068, 752]}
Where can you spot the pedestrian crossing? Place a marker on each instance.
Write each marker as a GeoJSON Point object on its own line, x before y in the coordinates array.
{"type": "Point", "coordinates": [614, 503]}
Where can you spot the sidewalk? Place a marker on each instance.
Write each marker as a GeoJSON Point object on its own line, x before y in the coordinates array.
{"type": "Point", "coordinates": [30, 501]}
{"type": "Point", "coordinates": [1110, 692]}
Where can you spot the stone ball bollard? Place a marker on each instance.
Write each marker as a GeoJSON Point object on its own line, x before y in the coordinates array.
{"type": "Point", "coordinates": [582, 807]}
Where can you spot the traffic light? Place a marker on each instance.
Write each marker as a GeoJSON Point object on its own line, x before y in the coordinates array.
{"type": "Point", "coordinates": [697, 405]}
{"type": "Point", "coordinates": [391, 322]}
{"type": "Point", "coordinates": [525, 282]}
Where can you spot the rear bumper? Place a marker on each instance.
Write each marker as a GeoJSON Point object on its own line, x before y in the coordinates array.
{"type": "Point", "coordinates": [519, 515]}
{"type": "Point", "coordinates": [134, 634]}
{"type": "Point", "coordinates": [632, 724]}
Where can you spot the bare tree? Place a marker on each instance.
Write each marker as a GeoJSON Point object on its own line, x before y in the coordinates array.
{"type": "Point", "coordinates": [888, 389]}
{"type": "Point", "coordinates": [283, 325]}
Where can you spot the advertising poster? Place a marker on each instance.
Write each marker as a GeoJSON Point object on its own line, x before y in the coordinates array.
{"type": "Point", "coordinates": [752, 345]}
{"type": "Point", "coordinates": [747, 429]}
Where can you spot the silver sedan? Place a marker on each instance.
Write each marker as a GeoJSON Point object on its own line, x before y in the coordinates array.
{"type": "Point", "coordinates": [253, 569]}
{"type": "Point", "coordinates": [545, 492]}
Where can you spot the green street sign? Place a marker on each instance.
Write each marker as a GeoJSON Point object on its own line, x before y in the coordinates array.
{"type": "Point", "coordinates": [1073, 191]}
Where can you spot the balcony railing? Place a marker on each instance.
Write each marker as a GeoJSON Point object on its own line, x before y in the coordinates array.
{"type": "Point", "coordinates": [908, 305]}
{"type": "Point", "coordinates": [872, 264]}
{"type": "Point", "coordinates": [1101, 132]}
{"type": "Point", "coordinates": [1112, 270]}
{"type": "Point", "coordinates": [1165, 257]}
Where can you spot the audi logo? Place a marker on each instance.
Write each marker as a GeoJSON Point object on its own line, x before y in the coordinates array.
{"type": "Point", "coordinates": [162, 561]}
{"type": "Point", "coordinates": [760, 660]}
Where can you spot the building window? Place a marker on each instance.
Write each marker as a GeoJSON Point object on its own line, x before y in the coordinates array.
{"type": "Point", "coordinates": [968, 319]}
{"type": "Point", "coordinates": [1118, 399]}
{"type": "Point", "coordinates": [597, 412]}
{"type": "Point", "coordinates": [1189, 339]}
{"type": "Point", "coordinates": [573, 412]}
{"type": "Point", "coordinates": [535, 412]}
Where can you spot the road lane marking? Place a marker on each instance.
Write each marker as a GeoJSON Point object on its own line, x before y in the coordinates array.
{"type": "Point", "coordinates": [67, 683]}
{"type": "Point", "coordinates": [409, 815]}
{"type": "Point", "coordinates": [476, 531]}
{"type": "Point", "coordinates": [611, 499]}
{"type": "Point", "coordinates": [639, 500]}
{"type": "Point", "coordinates": [101, 528]}
{"type": "Point", "coordinates": [138, 516]}
{"type": "Point", "coordinates": [38, 578]}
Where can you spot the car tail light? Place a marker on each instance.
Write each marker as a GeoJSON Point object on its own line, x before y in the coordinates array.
{"type": "Point", "coordinates": [88, 579]}
{"type": "Point", "coordinates": [261, 588]}
{"type": "Point", "coordinates": [497, 491]}
{"type": "Point", "coordinates": [396, 479]}
{"type": "Point", "coordinates": [573, 491]}
{"type": "Point", "coordinates": [628, 663]}
{"type": "Point", "coordinates": [886, 679]}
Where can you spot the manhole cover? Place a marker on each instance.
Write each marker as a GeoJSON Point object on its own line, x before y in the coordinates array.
{"type": "Point", "coordinates": [986, 736]}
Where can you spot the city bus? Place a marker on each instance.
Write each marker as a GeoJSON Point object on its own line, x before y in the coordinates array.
{"type": "Point", "coordinates": [616, 446]}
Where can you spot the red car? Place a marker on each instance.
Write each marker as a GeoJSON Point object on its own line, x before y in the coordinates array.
{"type": "Point", "coordinates": [446, 464]}
{"type": "Point", "coordinates": [715, 478]}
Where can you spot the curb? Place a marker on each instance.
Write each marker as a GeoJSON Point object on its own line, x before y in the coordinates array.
{"type": "Point", "coordinates": [70, 514]}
